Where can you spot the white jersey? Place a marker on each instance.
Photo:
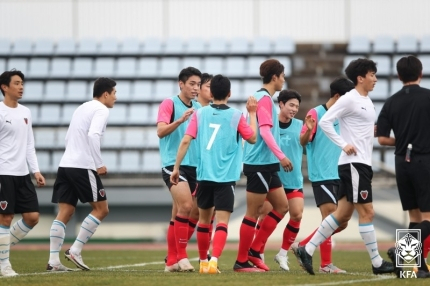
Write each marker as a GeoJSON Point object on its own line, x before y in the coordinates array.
{"type": "Point", "coordinates": [356, 115]}
{"type": "Point", "coordinates": [16, 141]}
{"type": "Point", "coordinates": [83, 137]}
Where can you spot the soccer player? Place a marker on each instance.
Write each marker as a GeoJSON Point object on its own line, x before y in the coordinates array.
{"type": "Point", "coordinates": [173, 119]}
{"type": "Point", "coordinates": [205, 97]}
{"type": "Point", "coordinates": [356, 115]}
{"type": "Point", "coordinates": [261, 166]}
{"type": "Point", "coordinates": [412, 173]}
{"type": "Point", "coordinates": [78, 175]}
{"type": "Point", "coordinates": [322, 156]}
{"type": "Point", "coordinates": [17, 192]}
{"type": "Point", "coordinates": [217, 128]}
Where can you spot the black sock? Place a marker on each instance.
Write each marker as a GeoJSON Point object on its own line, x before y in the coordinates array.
{"type": "Point", "coordinates": [424, 226]}
{"type": "Point", "coordinates": [412, 225]}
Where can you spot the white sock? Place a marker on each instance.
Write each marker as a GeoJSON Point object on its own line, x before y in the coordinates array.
{"type": "Point", "coordinates": [326, 229]}
{"type": "Point", "coordinates": [367, 232]}
{"type": "Point", "coordinates": [88, 228]}
{"type": "Point", "coordinates": [56, 239]}
{"type": "Point", "coordinates": [214, 259]}
{"type": "Point", "coordinates": [18, 231]}
{"type": "Point", "coordinates": [282, 252]}
{"type": "Point", "coordinates": [262, 256]}
{"type": "Point", "coordinates": [4, 245]}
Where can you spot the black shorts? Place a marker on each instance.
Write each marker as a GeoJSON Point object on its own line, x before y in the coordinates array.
{"type": "Point", "coordinates": [293, 193]}
{"type": "Point", "coordinates": [262, 182]}
{"type": "Point", "coordinates": [17, 195]}
{"type": "Point", "coordinates": [72, 184]}
{"type": "Point", "coordinates": [355, 183]}
{"type": "Point", "coordinates": [413, 182]}
{"type": "Point", "coordinates": [325, 193]}
{"type": "Point", "coordinates": [186, 174]}
{"type": "Point", "coordinates": [220, 195]}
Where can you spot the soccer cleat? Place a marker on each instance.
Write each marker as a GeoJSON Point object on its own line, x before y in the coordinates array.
{"type": "Point", "coordinates": [185, 265]}
{"type": "Point", "coordinates": [60, 267]}
{"type": "Point", "coordinates": [213, 267]}
{"type": "Point", "coordinates": [415, 269]}
{"type": "Point", "coordinates": [304, 259]}
{"type": "Point", "coordinates": [255, 258]}
{"type": "Point", "coordinates": [392, 255]}
{"type": "Point", "coordinates": [386, 267]}
{"type": "Point", "coordinates": [7, 271]}
{"type": "Point", "coordinates": [204, 267]}
{"type": "Point", "coordinates": [294, 246]}
{"type": "Point", "coordinates": [245, 267]}
{"type": "Point", "coordinates": [76, 259]}
{"type": "Point", "coordinates": [330, 268]}
{"type": "Point", "coordinates": [171, 268]}
{"type": "Point", "coordinates": [423, 274]}
{"type": "Point", "coordinates": [282, 260]}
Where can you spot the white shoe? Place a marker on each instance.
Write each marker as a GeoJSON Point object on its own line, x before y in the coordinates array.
{"type": "Point", "coordinates": [60, 267]}
{"type": "Point", "coordinates": [185, 265]}
{"type": "Point", "coordinates": [331, 269]}
{"type": "Point", "coordinates": [77, 259]}
{"type": "Point", "coordinates": [8, 271]}
{"type": "Point", "coordinates": [172, 268]}
{"type": "Point", "coordinates": [282, 261]}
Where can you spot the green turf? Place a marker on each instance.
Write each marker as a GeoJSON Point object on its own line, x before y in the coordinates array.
{"type": "Point", "coordinates": [31, 265]}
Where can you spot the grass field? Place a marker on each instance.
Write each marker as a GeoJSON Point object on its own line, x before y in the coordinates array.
{"type": "Point", "coordinates": [143, 267]}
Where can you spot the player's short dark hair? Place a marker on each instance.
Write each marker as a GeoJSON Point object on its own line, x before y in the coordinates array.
{"type": "Point", "coordinates": [340, 85]}
{"type": "Point", "coordinates": [360, 67]}
{"type": "Point", "coordinates": [409, 69]}
{"type": "Point", "coordinates": [206, 78]}
{"type": "Point", "coordinates": [269, 68]}
{"type": "Point", "coordinates": [220, 87]}
{"type": "Point", "coordinates": [6, 77]}
{"type": "Point", "coordinates": [102, 85]}
{"type": "Point", "coordinates": [188, 72]}
{"type": "Point", "coordinates": [288, 94]}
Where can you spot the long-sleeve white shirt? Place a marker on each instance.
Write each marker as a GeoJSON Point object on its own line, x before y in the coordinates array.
{"type": "Point", "coordinates": [16, 141]}
{"type": "Point", "coordinates": [83, 137]}
{"type": "Point", "coordinates": [356, 115]}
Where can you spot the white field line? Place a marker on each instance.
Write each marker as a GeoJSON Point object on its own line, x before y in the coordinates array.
{"type": "Point", "coordinates": [377, 278]}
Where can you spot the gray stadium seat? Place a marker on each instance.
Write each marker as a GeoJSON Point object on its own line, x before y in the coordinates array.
{"type": "Point", "coordinates": [134, 138]}
{"type": "Point", "coordinates": [239, 46]}
{"type": "Point", "coordinates": [112, 138]}
{"type": "Point", "coordinates": [108, 46]}
{"type": "Point", "coordinates": [151, 162]}
{"type": "Point", "coordinates": [77, 91]}
{"type": "Point", "coordinates": [214, 65]}
{"type": "Point", "coordinates": [68, 110]}
{"type": "Point", "coordinates": [61, 67]}
{"type": "Point", "coordinates": [87, 46]}
{"type": "Point", "coordinates": [425, 44]}
{"type": "Point", "coordinates": [130, 46]}
{"type": "Point", "coordinates": [44, 47]}
{"type": "Point", "coordinates": [169, 67]}
{"type": "Point", "coordinates": [34, 109]}
{"type": "Point", "coordinates": [383, 44]}
{"type": "Point", "coordinates": [38, 67]}
{"type": "Point", "coordinates": [192, 62]}
{"type": "Point", "coordinates": [250, 86]}
{"type": "Point", "coordinates": [425, 82]}
{"type": "Point", "coordinates": [4, 47]}
{"type": "Point", "coordinates": [123, 91]}
{"type": "Point", "coordinates": [383, 64]}
{"type": "Point", "coordinates": [284, 45]}
{"type": "Point", "coordinates": [18, 64]}
{"type": "Point", "coordinates": [33, 91]}
{"type": "Point", "coordinates": [261, 45]}
{"type": "Point", "coordinates": [378, 108]}
{"type": "Point", "coordinates": [151, 46]}
{"type": "Point", "coordinates": [217, 46]}
{"type": "Point", "coordinates": [22, 47]}
{"type": "Point", "coordinates": [44, 138]}
{"type": "Point", "coordinates": [118, 114]}
{"type": "Point", "coordinates": [153, 114]}
{"type": "Point", "coordinates": [395, 85]}
{"type": "Point", "coordinates": [65, 47]}
{"type": "Point", "coordinates": [173, 46]}
{"type": "Point", "coordinates": [407, 44]}
{"type": "Point", "coordinates": [235, 66]}
{"type": "Point", "coordinates": [126, 67]}
{"type": "Point", "coordinates": [2, 65]}
{"type": "Point", "coordinates": [425, 60]}
{"type": "Point", "coordinates": [236, 90]}
{"type": "Point", "coordinates": [142, 90]}
{"type": "Point", "coordinates": [82, 67]}
{"type": "Point", "coordinates": [286, 61]}
{"type": "Point", "coordinates": [130, 162]}
{"type": "Point", "coordinates": [147, 67]}
{"type": "Point", "coordinates": [195, 46]}
{"type": "Point", "coordinates": [61, 135]}
{"type": "Point", "coordinates": [56, 158]}
{"type": "Point", "coordinates": [139, 114]}
{"type": "Point", "coordinates": [151, 138]}
{"type": "Point", "coordinates": [380, 91]}
{"type": "Point", "coordinates": [359, 45]}
{"type": "Point", "coordinates": [110, 160]}
{"type": "Point", "coordinates": [253, 66]}
{"type": "Point", "coordinates": [104, 67]}
{"type": "Point", "coordinates": [164, 89]}
{"type": "Point", "coordinates": [49, 114]}
{"type": "Point", "coordinates": [55, 91]}
{"type": "Point", "coordinates": [44, 161]}
{"type": "Point", "coordinates": [394, 61]}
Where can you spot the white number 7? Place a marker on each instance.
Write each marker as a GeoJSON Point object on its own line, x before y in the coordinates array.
{"type": "Point", "coordinates": [211, 141]}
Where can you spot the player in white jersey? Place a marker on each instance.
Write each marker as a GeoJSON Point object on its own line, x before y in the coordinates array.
{"type": "Point", "coordinates": [78, 175]}
{"type": "Point", "coordinates": [17, 192]}
{"type": "Point", "coordinates": [356, 115]}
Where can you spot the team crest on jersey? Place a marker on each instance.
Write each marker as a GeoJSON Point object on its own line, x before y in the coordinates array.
{"type": "Point", "coordinates": [102, 193]}
{"type": "Point", "coordinates": [26, 120]}
{"type": "Point", "coordinates": [364, 194]}
{"type": "Point", "coordinates": [3, 205]}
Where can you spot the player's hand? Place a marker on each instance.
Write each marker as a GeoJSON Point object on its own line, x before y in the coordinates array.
{"type": "Point", "coordinates": [102, 171]}
{"type": "Point", "coordinates": [174, 177]}
{"type": "Point", "coordinates": [251, 105]}
{"type": "Point", "coordinates": [310, 122]}
{"type": "Point", "coordinates": [40, 180]}
{"type": "Point", "coordinates": [350, 150]}
{"type": "Point", "coordinates": [186, 115]}
{"type": "Point", "coordinates": [286, 165]}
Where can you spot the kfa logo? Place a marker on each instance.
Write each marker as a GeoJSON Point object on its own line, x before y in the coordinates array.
{"type": "Point", "coordinates": [408, 251]}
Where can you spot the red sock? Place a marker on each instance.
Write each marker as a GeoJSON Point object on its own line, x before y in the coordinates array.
{"type": "Point", "coordinates": [426, 247]}
{"type": "Point", "coordinates": [181, 236]}
{"type": "Point", "coordinates": [307, 239]}
{"type": "Point", "coordinates": [246, 235]}
{"type": "Point", "coordinates": [171, 245]}
{"type": "Point", "coordinates": [219, 239]}
{"type": "Point", "coordinates": [267, 227]}
{"type": "Point", "coordinates": [325, 249]}
{"type": "Point", "coordinates": [203, 241]}
{"type": "Point", "coordinates": [191, 227]}
{"type": "Point", "coordinates": [257, 228]}
{"type": "Point", "coordinates": [290, 233]}
{"type": "Point", "coordinates": [211, 228]}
